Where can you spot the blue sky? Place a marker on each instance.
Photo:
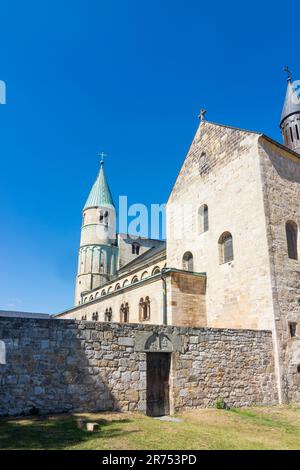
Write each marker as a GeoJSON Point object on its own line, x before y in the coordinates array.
{"type": "Point", "coordinates": [127, 77]}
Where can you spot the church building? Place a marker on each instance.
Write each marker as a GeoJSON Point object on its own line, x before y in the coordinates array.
{"type": "Point", "coordinates": [231, 255]}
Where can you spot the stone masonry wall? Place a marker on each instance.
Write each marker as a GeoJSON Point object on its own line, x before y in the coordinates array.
{"type": "Point", "coordinates": [68, 365]}
{"type": "Point", "coordinates": [186, 299]}
{"type": "Point", "coordinates": [280, 173]}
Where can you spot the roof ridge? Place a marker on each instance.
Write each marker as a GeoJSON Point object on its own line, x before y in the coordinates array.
{"type": "Point", "coordinates": [232, 127]}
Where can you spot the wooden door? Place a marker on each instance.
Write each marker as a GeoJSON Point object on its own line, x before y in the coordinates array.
{"type": "Point", "coordinates": [158, 371]}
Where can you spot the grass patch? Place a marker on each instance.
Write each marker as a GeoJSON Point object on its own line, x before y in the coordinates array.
{"type": "Point", "coordinates": [275, 427]}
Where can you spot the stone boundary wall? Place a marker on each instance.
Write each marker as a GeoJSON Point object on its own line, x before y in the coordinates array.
{"type": "Point", "coordinates": [67, 365]}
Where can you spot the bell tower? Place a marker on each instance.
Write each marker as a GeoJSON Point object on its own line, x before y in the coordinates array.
{"type": "Point", "coordinates": [98, 250]}
{"type": "Point", "coordinates": [290, 116]}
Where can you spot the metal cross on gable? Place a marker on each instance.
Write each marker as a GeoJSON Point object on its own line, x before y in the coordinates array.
{"type": "Point", "coordinates": [202, 114]}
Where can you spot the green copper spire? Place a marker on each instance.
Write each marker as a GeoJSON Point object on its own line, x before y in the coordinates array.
{"type": "Point", "coordinates": [100, 194]}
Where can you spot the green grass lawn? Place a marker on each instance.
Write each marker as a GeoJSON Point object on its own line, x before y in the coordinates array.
{"type": "Point", "coordinates": [275, 427]}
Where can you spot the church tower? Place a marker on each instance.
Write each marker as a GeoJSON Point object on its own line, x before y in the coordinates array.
{"type": "Point", "coordinates": [290, 117]}
{"type": "Point", "coordinates": [98, 250]}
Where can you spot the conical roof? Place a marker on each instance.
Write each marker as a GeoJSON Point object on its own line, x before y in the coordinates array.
{"type": "Point", "coordinates": [100, 194]}
{"type": "Point", "coordinates": [291, 103]}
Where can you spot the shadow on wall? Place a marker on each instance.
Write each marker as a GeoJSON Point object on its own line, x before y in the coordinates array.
{"type": "Point", "coordinates": [53, 367]}
{"type": "Point", "coordinates": [286, 168]}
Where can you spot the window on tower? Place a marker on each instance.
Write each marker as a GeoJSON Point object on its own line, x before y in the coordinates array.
{"type": "Point", "coordinates": [103, 217]}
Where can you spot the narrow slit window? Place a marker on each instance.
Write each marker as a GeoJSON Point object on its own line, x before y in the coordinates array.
{"type": "Point", "coordinates": [293, 329]}
{"type": "Point", "coordinates": [291, 230]}
{"type": "Point", "coordinates": [203, 218]}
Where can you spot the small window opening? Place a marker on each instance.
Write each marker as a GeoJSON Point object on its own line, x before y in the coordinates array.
{"type": "Point", "coordinates": [291, 229]}
{"type": "Point", "coordinates": [108, 314]}
{"type": "Point", "coordinates": [135, 248]}
{"type": "Point", "coordinates": [104, 217]}
{"type": "Point", "coordinates": [95, 316]}
{"type": "Point", "coordinates": [293, 329]}
{"type": "Point", "coordinates": [187, 261]}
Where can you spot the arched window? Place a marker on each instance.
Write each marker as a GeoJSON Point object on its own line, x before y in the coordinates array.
{"type": "Point", "coordinates": [225, 248]}
{"type": "Point", "coordinates": [103, 292]}
{"type": "Point", "coordinates": [108, 314]}
{"type": "Point", "coordinates": [203, 218]}
{"type": "Point", "coordinates": [156, 270]}
{"type": "Point", "coordinates": [144, 275]}
{"type": "Point", "coordinates": [118, 286]}
{"type": "Point", "coordinates": [291, 231]}
{"type": "Point", "coordinates": [95, 316]}
{"type": "Point", "coordinates": [187, 261]}
{"type": "Point", "coordinates": [91, 298]}
{"type": "Point", "coordinates": [124, 313]}
{"type": "Point", "coordinates": [147, 302]}
{"type": "Point", "coordinates": [2, 353]}
{"type": "Point", "coordinates": [135, 247]}
{"type": "Point", "coordinates": [125, 283]}
{"type": "Point", "coordinates": [83, 317]}
{"type": "Point", "coordinates": [103, 217]}
{"type": "Point", "coordinates": [135, 279]}
{"type": "Point", "coordinates": [102, 261]}
{"type": "Point", "coordinates": [144, 309]}
{"type": "Point", "coordinates": [85, 299]}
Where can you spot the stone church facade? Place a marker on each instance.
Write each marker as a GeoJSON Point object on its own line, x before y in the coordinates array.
{"type": "Point", "coordinates": [230, 259]}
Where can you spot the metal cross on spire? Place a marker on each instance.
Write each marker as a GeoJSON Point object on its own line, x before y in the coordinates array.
{"type": "Point", "coordinates": [102, 155]}
{"type": "Point", "coordinates": [289, 73]}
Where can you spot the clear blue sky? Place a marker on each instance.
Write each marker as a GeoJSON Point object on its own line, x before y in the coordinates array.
{"type": "Point", "coordinates": [129, 78]}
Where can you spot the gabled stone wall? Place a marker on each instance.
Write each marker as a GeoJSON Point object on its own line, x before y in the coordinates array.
{"type": "Point", "coordinates": [65, 365]}
{"type": "Point", "coordinates": [222, 171]}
